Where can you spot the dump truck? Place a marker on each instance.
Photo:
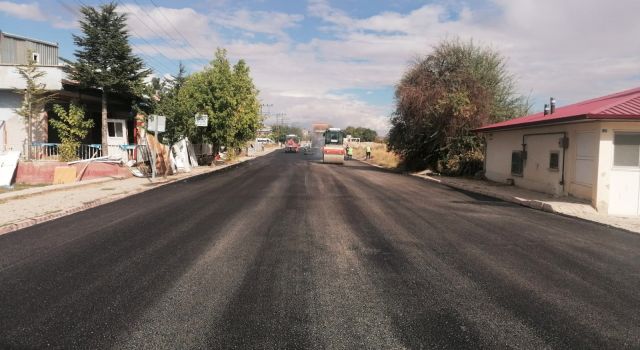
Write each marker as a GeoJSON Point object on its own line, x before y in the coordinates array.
{"type": "Point", "coordinates": [333, 149]}
{"type": "Point", "coordinates": [291, 144]}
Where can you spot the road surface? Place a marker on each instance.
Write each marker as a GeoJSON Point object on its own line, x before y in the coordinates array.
{"type": "Point", "coordinates": [285, 252]}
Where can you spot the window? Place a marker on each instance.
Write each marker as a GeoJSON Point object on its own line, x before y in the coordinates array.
{"type": "Point", "coordinates": [35, 57]}
{"type": "Point", "coordinates": [516, 163]}
{"type": "Point", "coordinates": [554, 160]}
{"type": "Point", "coordinates": [626, 149]}
{"type": "Point", "coordinates": [115, 129]}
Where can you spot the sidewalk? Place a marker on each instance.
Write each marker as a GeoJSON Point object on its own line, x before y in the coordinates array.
{"type": "Point", "coordinates": [560, 205]}
{"type": "Point", "coordinates": [567, 206]}
{"type": "Point", "coordinates": [28, 207]}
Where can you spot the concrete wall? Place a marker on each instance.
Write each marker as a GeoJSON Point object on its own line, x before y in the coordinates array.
{"type": "Point", "coordinates": [580, 176]}
{"type": "Point", "coordinates": [10, 79]}
{"type": "Point", "coordinates": [607, 131]}
{"type": "Point", "coordinates": [14, 135]}
{"type": "Point", "coordinates": [41, 173]}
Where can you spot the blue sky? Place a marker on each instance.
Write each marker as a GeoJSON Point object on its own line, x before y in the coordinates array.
{"type": "Point", "coordinates": [338, 61]}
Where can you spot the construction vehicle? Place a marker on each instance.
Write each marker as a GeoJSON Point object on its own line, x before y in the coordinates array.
{"type": "Point", "coordinates": [291, 144]}
{"type": "Point", "coordinates": [333, 149]}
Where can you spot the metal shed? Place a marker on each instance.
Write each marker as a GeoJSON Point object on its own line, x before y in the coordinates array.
{"type": "Point", "coordinates": [14, 50]}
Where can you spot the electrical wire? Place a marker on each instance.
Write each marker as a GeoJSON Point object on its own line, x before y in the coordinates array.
{"type": "Point", "coordinates": [157, 61]}
{"type": "Point", "coordinates": [176, 29]}
{"type": "Point", "coordinates": [172, 37]}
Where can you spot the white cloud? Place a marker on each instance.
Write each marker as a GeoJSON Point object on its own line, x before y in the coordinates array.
{"type": "Point", "coordinates": [25, 11]}
{"type": "Point", "coordinates": [33, 12]}
{"type": "Point", "coordinates": [271, 23]}
{"type": "Point", "coordinates": [185, 32]}
{"type": "Point", "coordinates": [571, 49]}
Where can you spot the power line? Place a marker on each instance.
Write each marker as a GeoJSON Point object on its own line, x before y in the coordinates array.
{"type": "Point", "coordinates": [176, 30]}
{"type": "Point", "coordinates": [140, 36]}
{"type": "Point", "coordinates": [184, 49]}
{"type": "Point", "coordinates": [157, 61]}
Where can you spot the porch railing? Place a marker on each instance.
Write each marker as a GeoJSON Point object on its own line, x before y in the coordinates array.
{"type": "Point", "coordinates": [50, 151]}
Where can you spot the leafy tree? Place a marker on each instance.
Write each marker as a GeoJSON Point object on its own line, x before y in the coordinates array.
{"type": "Point", "coordinates": [179, 112]}
{"type": "Point", "coordinates": [281, 131]}
{"type": "Point", "coordinates": [247, 112]}
{"type": "Point", "coordinates": [229, 98]}
{"type": "Point", "coordinates": [72, 128]}
{"type": "Point", "coordinates": [35, 96]}
{"type": "Point", "coordinates": [442, 97]}
{"type": "Point", "coordinates": [365, 134]}
{"type": "Point", "coordinates": [104, 58]}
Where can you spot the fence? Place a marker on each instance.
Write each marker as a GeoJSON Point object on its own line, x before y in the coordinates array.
{"type": "Point", "coordinates": [50, 151]}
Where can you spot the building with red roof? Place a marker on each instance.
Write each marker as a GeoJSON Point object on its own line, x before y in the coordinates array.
{"type": "Point", "coordinates": [588, 150]}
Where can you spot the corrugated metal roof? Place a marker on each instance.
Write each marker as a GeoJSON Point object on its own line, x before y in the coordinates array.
{"type": "Point", "coordinates": [621, 105]}
{"type": "Point", "coordinates": [20, 37]}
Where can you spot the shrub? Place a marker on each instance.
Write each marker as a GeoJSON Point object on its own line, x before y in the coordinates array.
{"type": "Point", "coordinates": [72, 128]}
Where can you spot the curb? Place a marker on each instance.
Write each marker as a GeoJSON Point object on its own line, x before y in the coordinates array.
{"type": "Point", "coordinates": [52, 188]}
{"type": "Point", "coordinates": [531, 203]}
{"type": "Point", "coordinates": [98, 202]}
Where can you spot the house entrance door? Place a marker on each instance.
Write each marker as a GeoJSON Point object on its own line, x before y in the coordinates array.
{"type": "Point", "coordinates": [117, 129]}
{"type": "Point", "coordinates": [624, 192]}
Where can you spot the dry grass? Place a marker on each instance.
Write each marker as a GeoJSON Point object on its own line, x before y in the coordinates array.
{"type": "Point", "coordinates": [379, 155]}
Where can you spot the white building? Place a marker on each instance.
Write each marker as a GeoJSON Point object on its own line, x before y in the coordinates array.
{"type": "Point", "coordinates": [14, 51]}
{"type": "Point", "coordinates": [588, 150]}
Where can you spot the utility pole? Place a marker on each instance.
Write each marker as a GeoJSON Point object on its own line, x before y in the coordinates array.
{"type": "Point", "coordinates": [279, 121]}
{"type": "Point", "coordinates": [268, 107]}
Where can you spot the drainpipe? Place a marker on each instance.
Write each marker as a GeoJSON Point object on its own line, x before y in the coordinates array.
{"type": "Point", "coordinates": [564, 148]}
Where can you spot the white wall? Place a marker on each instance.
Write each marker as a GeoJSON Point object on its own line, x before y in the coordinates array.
{"type": "Point", "coordinates": [580, 176]}
{"type": "Point", "coordinates": [10, 78]}
{"type": "Point", "coordinates": [605, 160]}
{"type": "Point", "coordinates": [15, 127]}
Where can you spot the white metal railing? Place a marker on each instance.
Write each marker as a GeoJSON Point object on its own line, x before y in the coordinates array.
{"type": "Point", "coordinates": [45, 151]}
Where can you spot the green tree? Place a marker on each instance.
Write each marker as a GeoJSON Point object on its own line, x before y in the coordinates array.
{"type": "Point", "coordinates": [227, 96]}
{"type": "Point", "coordinates": [104, 58]}
{"type": "Point", "coordinates": [442, 97]}
{"type": "Point", "coordinates": [281, 131]}
{"type": "Point", "coordinates": [35, 97]}
{"type": "Point", "coordinates": [365, 134]}
{"type": "Point", "coordinates": [72, 128]}
{"type": "Point", "coordinates": [177, 108]}
{"type": "Point", "coordinates": [247, 118]}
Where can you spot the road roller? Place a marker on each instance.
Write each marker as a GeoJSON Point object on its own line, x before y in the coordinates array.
{"type": "Point", "coordinates": [333, 149]}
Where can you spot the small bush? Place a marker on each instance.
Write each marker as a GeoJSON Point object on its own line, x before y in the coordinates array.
{"type": "Point", "coordinates": [72, 128]}
{"type": "Point", "coordinates": [462, 156]}
{"type": "Point", "coordinates": [68, 151]}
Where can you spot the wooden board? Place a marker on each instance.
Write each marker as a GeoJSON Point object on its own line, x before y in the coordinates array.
{"type": "Point", "coordinates": [64, 175]}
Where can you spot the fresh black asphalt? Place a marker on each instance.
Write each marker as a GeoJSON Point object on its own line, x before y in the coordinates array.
{"type": "Point", "coordinates": [286, 252]}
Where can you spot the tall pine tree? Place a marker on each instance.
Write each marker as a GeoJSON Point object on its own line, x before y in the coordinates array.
{"type": "Point", "coordinates": [104, 58]}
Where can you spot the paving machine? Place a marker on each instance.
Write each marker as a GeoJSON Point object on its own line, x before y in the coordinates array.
{"type": "Point", "coordinates": [333, 150]}
{"type": "Point", "coordinates": [291, 144]}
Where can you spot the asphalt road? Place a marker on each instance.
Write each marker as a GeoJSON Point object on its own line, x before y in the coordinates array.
{"type": "Point", "coordinates": [285, 252]}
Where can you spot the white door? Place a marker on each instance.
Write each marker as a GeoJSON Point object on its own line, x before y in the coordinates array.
{"type": "Point", "coordinates": [624, 191]}
{"type": "Point", "coordinates": [585, 155]}
{"type": "Point", "coordinates": [117, 129]}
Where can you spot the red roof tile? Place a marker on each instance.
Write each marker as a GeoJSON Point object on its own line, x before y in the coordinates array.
{"type": "Point", "coordinates": [621, 105]}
